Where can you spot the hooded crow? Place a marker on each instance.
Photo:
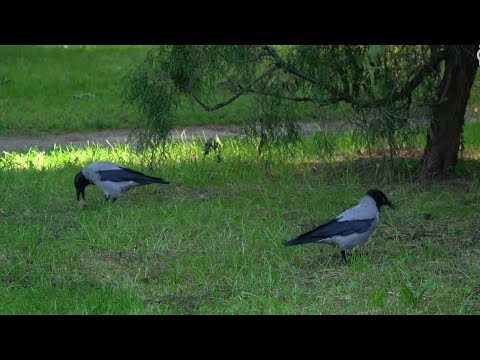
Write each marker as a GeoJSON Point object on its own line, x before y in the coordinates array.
{"type": "Point", "coordinates": [112, 179]}
{"type": "Point", "coordinates": [350, 229]}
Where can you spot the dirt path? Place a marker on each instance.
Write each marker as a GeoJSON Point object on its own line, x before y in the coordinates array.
{"type": "Point", "coordinates": [45, 142]}
{"type": "Point", "coordinates": [106, 137]}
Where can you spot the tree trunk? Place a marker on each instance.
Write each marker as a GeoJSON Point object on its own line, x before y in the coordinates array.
{"type": "Point", "coordinates": [446, 128]}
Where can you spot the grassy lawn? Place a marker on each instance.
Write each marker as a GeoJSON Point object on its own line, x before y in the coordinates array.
{"type": "Point", "coordinates": [211, 241]}
{"type": "Point", "coordinates": [58, 89]}
{"type": "Point", "coordinates": [55, 89]}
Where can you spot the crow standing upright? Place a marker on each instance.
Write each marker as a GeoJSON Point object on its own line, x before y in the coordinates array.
{"type": "Point", "coordinates": [112, 179]}
{"type": "Point", "coordinates": [350, 229]}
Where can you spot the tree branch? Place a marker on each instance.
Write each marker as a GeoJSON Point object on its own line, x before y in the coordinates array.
{"type": "Point", "coordinates": [435, 58]}
{"type": "Point", "coordinates": [209, 108]}
{"type": "Point", "coordinates": [288, 67]}
{"type": "Point", "coordinates": [296, 99]}
{"type": "Point", "coordinates": [405, 93]}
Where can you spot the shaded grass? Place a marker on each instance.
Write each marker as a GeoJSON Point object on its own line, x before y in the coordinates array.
{"type": "Point", "coordinates": [211, 241]}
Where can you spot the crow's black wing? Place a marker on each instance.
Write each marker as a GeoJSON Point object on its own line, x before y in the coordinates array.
{"type": "Point", "coordinates": [332, 228]}
{"type": "Point", "coordinates": [126, 174]}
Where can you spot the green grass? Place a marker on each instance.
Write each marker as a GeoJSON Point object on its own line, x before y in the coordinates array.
{"type": "Point", "coordinates": [211, 241]}
{"type": "Point", "coordinates": [58, 89]}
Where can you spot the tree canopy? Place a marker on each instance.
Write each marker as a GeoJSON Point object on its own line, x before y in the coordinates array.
{"type": "Point", "coordinates": [393, 90]}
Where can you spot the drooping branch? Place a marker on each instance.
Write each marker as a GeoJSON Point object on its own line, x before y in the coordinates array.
{"type": "Point", "coordinates": [295, 99]}
{"type": "Point", "coordinates": [432, 66]}
{"type": "Point", "coordinates": [288, 67]}
{"type": "Point", "coordinates": [243, 90]}
{"type": "Point", "coordinates": [405, 93]}
{"type": "Point", "coordinates": [335, 94]}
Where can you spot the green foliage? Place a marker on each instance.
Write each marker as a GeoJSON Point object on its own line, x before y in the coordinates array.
{"type": "Point", "coordinates": [390, 88]}
{"type": "Point", "coordinates": [197, 72]}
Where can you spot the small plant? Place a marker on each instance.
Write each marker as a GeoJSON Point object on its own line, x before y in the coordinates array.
{"type": "Point", "coordinates": [415, 296]}
{"type": "Point", "coordinates": [213, 146]}
{"type": "Point", "coordinates": [4, 80]}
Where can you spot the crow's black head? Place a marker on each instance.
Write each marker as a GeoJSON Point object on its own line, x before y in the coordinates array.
{"type": "Point", "coordinates": [80, 183]}
{"type": "Point", "coordinates": [380, 198]}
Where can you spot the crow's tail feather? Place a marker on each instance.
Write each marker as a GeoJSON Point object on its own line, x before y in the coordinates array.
{"type": "Point", "coordinates": [300, 240]}
{"type": "Point", "coordinates": [158, 180]}
{"type": "Point", "coordinates": [145, 179]}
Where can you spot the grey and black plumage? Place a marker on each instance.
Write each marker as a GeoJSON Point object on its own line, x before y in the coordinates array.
{"type": "Point", "coordinates": [112, 179]}
{"type": "Point", "coordinates": [350, 229]}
